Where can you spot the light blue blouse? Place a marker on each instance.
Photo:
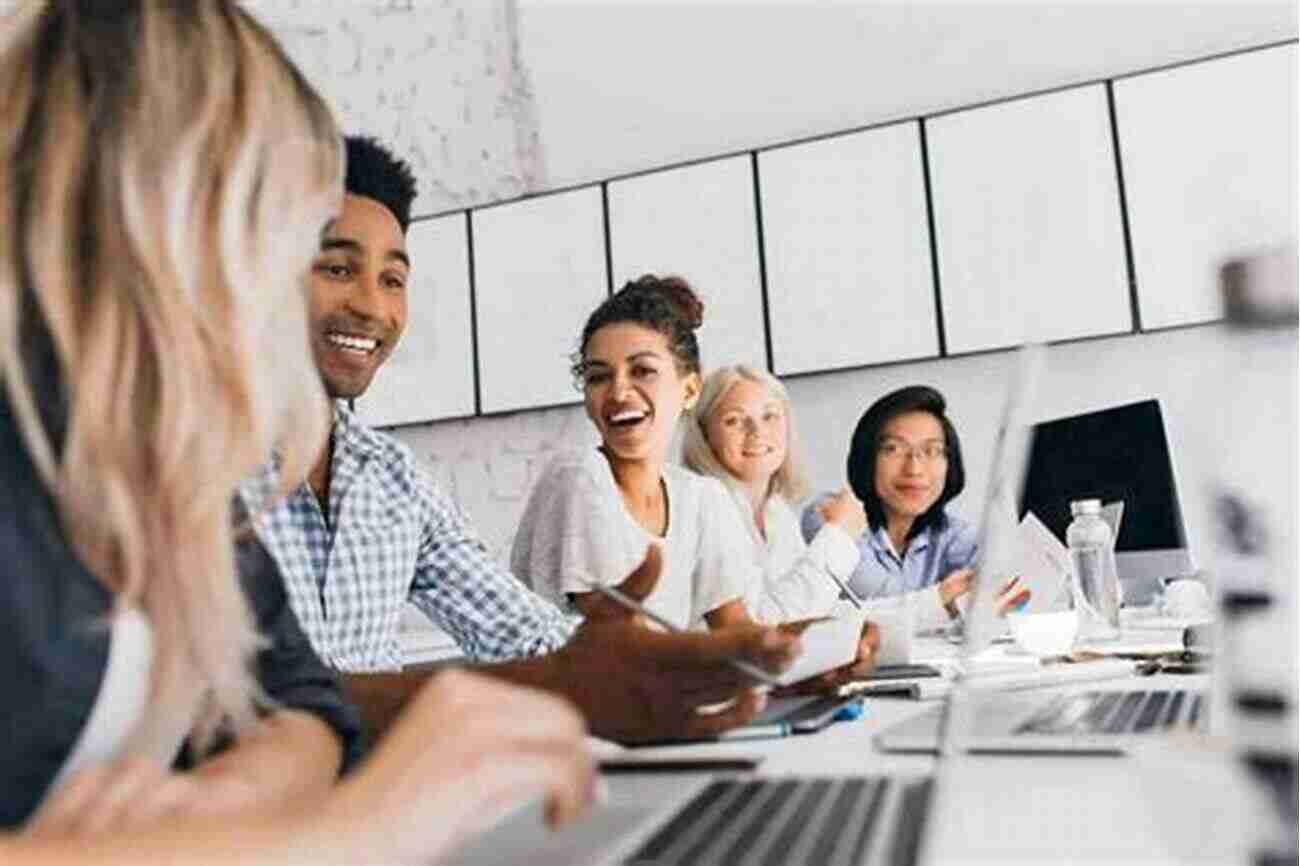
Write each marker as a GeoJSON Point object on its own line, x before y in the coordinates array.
{"type": "Point", "coordinates": [931, 555]}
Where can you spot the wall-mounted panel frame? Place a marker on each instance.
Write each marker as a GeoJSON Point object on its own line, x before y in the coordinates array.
{"type": "Point", "coordinates": [1209, 155]}
{"type": "Point", "coordinates": [539, 268]}
{"type": "Point", "coordinates": [430, 375]}
{"type": "Point", "coordinates": [697, 221]}
{"type": "Point", "coordinates": [848, 251]}
{"type": "Point", "coordinates": [1028, 226]}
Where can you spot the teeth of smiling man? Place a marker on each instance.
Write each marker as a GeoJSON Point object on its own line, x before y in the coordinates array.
{"type": "Point", "coordinates": [358, 344]}
{"type": "Point", "coordinates": [627, 415]}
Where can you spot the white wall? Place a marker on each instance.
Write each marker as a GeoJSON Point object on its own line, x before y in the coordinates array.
{"type": "Point", "coordinates": [623, 86]}
{"type": "Point", "coordinates": [438, 81]}
{"type": "Point", "coordinates": [490, 463]}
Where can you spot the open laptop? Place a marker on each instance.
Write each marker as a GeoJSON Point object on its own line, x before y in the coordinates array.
{"type": "Point", "coordinates": [832, 820]}
{"type": "Point", "coordinates": [1079, 719]}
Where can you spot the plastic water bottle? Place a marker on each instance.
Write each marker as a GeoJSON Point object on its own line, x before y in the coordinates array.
{"type": "Point", "coordinates": [1092, 563]}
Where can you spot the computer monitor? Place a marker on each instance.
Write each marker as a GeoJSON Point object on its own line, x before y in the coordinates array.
{"type": "Point", "coordinates": [1114, 454]}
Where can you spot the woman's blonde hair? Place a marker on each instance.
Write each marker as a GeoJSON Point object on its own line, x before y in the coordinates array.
{"type": "Point", "coordinates": [789, 481]}
{"type": "Point", "coordinates": [166, 173]}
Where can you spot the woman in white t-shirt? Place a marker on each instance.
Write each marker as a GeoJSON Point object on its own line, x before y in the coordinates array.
{"type": "Point", "coordinates": [592, 513]}
{"type": "Point", "coordinates": [742, 433]}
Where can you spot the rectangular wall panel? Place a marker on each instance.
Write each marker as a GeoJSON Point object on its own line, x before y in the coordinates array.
{"type": "Point", "coordinates": [1027, 221]}
{"type": "Point", "coordinates": [1209, 155]}
{"type": "Point", "coordinates": [697, 222]}
{"type": "Point", "coordinates": [539, 268]}
{"type": "Point", "coordinates": [431, 373]}
{"type": "Point", "coordinates": [848, 251]}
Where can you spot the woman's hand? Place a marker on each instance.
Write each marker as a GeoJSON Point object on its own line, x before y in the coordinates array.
{"type": "Point", "coordinates": [955, 585]}
{"type": "Point", "coordinates": [115, 796]}
{"type": "Point", "coordinates": [465, 751]}
{"type": "Point", "coordinates": [1014, 596]}
{"type": "Point", "coordinates": [845, 511]}
{"type": "Point", "coordinates": [132, 792]}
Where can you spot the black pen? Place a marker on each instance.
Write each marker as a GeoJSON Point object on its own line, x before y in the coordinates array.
{"type": "Point", "coordinates": [844, 590]}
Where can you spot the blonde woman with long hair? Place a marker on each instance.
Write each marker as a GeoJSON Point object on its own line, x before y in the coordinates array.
{"type": "Point", "coordinates": [165, 174]}
{"type": "Point", "coordinates": [742, 432]}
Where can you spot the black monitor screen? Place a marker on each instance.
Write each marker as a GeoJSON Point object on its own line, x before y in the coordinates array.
{"type": "Point", "coordinates": [1114, 454]}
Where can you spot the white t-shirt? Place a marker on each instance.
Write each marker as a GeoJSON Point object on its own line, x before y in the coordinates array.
{"type": "Point", "coordinates": [576, 532]}
{"type": "Point", "coordinates": [794, 577]}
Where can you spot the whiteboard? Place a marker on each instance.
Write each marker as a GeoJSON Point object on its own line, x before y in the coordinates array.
{"type": "Point", "coordinates": [697, 222]}
{"type": "Point", "coordinates": [848, 251]}
{"type": "Point", "coordinates": [539, 271]}
{"type": "Point", "coordinates": [1210, 172]}
{"type": "Point", "coordinates": [1027, 221]}
{"type": "Point", "coordinates": [431, 373]}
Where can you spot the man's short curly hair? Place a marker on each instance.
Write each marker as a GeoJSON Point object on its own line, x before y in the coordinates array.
{"type": "Point", "coordinates": [373, 172]}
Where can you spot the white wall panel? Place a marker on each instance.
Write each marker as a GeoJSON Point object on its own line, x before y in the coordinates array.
{"type": "Point", "coordinates": [848, 251]}
{"type": "Point", "coordinates": [1027, 221]}
{"type": "Point", "coordinates": [1209, 156]}
{"type": "Point", "coordinates": [698, 222]}
{"type": "Point", "coordinates": [539, 271]}
{"type": "Point", "coordinates": [431, 373]}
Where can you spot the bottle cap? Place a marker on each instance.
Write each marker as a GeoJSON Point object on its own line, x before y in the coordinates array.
{"type": "Point", "coordinates": [1085, 506]}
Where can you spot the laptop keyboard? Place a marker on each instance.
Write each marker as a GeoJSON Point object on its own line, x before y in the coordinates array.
{"type": "Point", "coordinates": [1116, 713]}
{"type": "Point", "coordinates": [772, 822]}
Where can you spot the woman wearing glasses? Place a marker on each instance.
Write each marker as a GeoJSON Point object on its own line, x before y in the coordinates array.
{"type": "Point", "coordinates": [905, 465]}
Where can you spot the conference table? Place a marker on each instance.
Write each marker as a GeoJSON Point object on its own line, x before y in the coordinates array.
{"type": "Point", "coordinates": [1179, 798]}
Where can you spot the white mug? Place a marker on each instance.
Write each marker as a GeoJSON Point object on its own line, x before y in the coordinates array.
{"type": "Point", "coordinates": [1186, 599]}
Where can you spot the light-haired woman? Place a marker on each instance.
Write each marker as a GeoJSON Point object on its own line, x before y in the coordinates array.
{"type": "Point", "coordinates": [165, 173]}
{"type": "Point", "coordinates": [742, 432]}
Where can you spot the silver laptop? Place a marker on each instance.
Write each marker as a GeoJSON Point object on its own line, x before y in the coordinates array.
{"type": "Point", "coordinates": [1080, 719]}
{"type": "Point", "coordinates": [1093, 720]}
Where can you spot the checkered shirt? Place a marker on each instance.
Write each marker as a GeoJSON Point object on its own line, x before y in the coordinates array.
{"type": "Point", "coordinates": [393, 536]}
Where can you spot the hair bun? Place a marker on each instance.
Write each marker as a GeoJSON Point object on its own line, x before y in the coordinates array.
{"type": "Point", "coordinates": [676, 292]}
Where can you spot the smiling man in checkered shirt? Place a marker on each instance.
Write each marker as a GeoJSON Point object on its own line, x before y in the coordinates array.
{"type": "Point", "coordinates": [370, 530]}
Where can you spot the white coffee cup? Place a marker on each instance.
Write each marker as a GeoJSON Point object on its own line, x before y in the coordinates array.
{"type": "Point", "coordinates": [897, 622]}
{"type": "Point", "coordinates": [1186, 599]}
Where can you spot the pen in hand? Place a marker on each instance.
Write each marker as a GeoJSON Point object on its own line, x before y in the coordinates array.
{"type": "Point", "coordinates": [845, 592]}
{"type": "Point", "coordinates": [632, 604]}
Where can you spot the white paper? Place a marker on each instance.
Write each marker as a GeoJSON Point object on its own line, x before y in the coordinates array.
{"type": "Point", "coordinates": [895, 618]}
{"type": "Point", "coordinates": [1113, 514]}
{"type": "Point", "coordinates": [1043, 565]}
{"type": "Point", "coordinates": [827, 644]}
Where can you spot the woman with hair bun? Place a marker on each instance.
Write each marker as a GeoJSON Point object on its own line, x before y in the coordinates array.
{"type": "Point", "coordinates": [592, 513]}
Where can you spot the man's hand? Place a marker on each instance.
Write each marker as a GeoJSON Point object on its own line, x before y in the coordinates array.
{"type": "Point", "coordinates": [637, 684]}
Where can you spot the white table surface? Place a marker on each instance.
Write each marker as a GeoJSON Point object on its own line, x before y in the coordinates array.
{"type": "Point", "coordinates": [1179, 800]}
